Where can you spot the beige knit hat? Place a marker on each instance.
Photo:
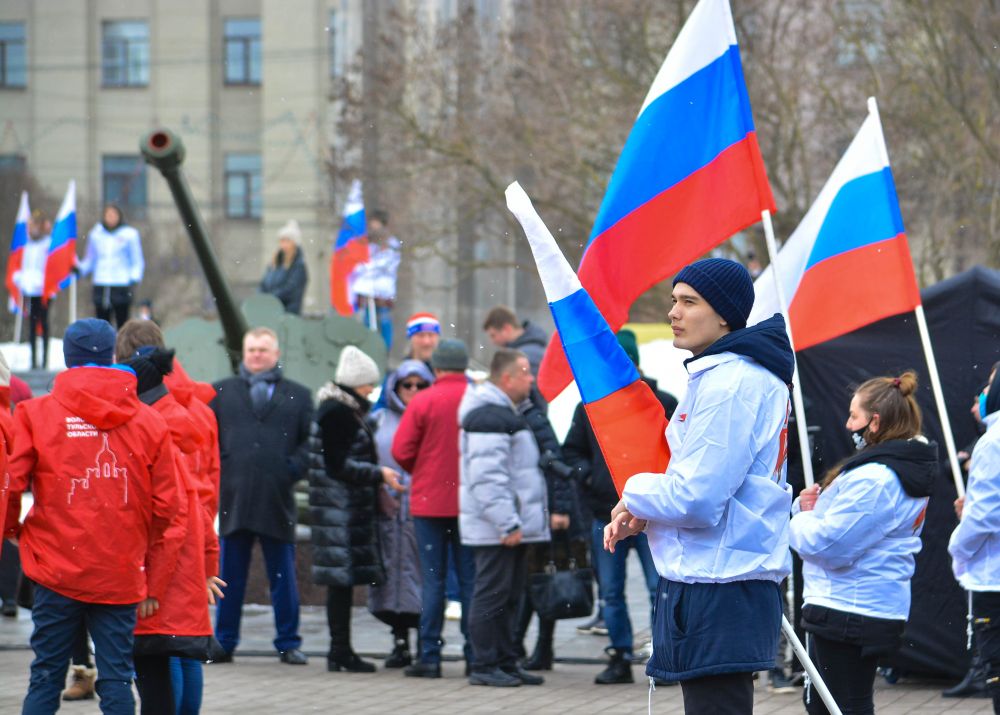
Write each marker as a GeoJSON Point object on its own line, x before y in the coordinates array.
{"type": "Point", "coordinates": [355, 369]}
{"type": "Point", "coordinates": [291, 231]}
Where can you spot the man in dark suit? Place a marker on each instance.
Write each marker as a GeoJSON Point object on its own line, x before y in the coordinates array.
{"type": "Point", "coordinates": [263, 426]}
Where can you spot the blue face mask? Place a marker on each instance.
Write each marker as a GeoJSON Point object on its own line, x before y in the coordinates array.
{"type": "Point", "coordinates": [982, 405]}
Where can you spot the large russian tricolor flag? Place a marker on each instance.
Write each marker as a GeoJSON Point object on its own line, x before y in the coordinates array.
{"type": "Point", "coordinates": [848, 263]}
{"type": "Point", "coordinates": [349, 250]}
{"type": "Point", "coordinates": [17, 244]}
{"type": "Point", "coordinates": [62, 248]}
{"type": "Point", "coordinates": [627, 418]}
{"type": "Point", "coordinates": [690, 176]}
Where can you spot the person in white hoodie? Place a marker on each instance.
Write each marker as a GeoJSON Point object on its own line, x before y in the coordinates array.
{"type": "Point", "coordinates": [858, 533]}
{"type": "Point", "coordinates": [30, 280]}
{"type": "Point", "coordinates": [975, 543]}
{"type": "Point", "coordinates": [717, 521]}
{"type": "Point", "coordinates": [114, 256]}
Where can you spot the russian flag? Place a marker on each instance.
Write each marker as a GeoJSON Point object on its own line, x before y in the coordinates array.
{"type": "Point", "coordinates": [851, 245]}
{"type": "Point", "coordinates": [690, 176]}
{"type": "Point", "coordinates": [62, 249]}
{"type": "Point", "coordinates": [349, 250]}
{"type": "Point", "coordinates": [17, 244]}
{"type": "Point", "coordinates": [627, 418]}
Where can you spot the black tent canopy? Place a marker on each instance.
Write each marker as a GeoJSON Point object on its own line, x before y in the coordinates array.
{"type": "Point", "coordinates": [963, 319]}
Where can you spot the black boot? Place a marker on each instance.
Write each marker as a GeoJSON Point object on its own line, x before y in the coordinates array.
{"type": "Point", "coordinates": [541, 658]}
{"type": "Point", "coordinates": [349, 662]}
{"type": "Point", "coordinates": [400, 656]}
{"type": "Point", "coordinates": [973, 685]}
{"type": "Point", "coordinates": [619, 670]}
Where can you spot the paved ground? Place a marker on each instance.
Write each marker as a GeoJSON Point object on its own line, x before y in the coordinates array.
{"type": "Point", "coordinates": [258, 683]}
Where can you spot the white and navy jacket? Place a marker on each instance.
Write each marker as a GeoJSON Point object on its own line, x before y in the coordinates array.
{"type": "Point", "coordinates": [114, 257]}
{"type": "Point", "coordinates": [720, 513]}
{"type": "Point", "coordinates": [975, 543]}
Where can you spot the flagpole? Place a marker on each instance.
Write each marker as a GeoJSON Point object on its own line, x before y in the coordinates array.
{"type": "Point", "coordinates": [72, 299]}
{"type": "Point", "coordinates": [815, 678]}
{"type": "Point", "coordinates": [800, 410]}
{"type": "Point", "coordinates": [18, 318]}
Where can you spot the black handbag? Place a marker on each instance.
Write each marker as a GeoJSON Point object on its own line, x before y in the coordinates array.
{"type": "Point", "coordinates": [558, 594]}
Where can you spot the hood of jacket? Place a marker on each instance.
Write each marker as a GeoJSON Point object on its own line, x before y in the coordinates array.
{"type": "Point", "coordinates": [104, 396]}
{"type": "Point", "coordinates": [532, 334]}
{"type": "Point", "coordinates": [406, 369]}
{"type": "Point", "coordinates": [485, 393]}
{"type": "Point", "coordinates": [766, 343]}
{"type": "Point", "coordinates": [331, 394]}
{"type": "Point", "coordinates": [914, 461]}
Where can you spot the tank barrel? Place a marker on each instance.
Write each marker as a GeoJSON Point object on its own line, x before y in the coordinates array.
{"type": "Point", "coordinates": [164, 150]}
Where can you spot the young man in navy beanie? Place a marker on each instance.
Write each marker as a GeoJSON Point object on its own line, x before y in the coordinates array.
{"type": "Point", "coordinates": [718, 525]}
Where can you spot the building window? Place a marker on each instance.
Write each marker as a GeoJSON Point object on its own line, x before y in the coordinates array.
{"type": "Point", "coordinates": [336, 33]}
{"type": "Point", "coordinates": [243, 186]}
{"type": "Point", "coordinates": [125, 54]}
{"type": "Point", "coordinates": [242, 48]}
{"type": "Point", "coordinates": [123, 177]}
{"type": "Point", "coordinates": [13, 165]}
{"type": "Point", "coordinates": [12, 64]}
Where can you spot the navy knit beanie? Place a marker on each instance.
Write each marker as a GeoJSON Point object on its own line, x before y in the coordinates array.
{"type": "Point", "coordinates": [89, 341]}
{"type": "Point", "coordinates": [725, 284]}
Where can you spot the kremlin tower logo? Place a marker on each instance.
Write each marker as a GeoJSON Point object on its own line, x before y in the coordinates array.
{"type": "Point", "coordinates": [105, 467]}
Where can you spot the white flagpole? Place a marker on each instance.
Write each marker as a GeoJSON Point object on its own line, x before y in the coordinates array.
{"type": "Point", "coordinates": [814, 676]}
{"type": "Point", "coordinates": [925, 341]}
{"type": "Point", "coordinates": [372, 320]}
{"type": "Point", "coordinates": [800, 410]}
{"type": "Point", "coordinates": [72, 299]}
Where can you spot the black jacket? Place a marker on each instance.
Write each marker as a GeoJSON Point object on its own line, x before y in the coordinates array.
{"type": "Point", "coordinates": [582, 452]}
{"type": "Point", "coordinates": [344, 478]}
{"type": "Point", "coordinates": [560, 478]}
{"type": "Point", "coordinates": [262, 456]}
{"type": "Point", "coordinates": [287, 283]}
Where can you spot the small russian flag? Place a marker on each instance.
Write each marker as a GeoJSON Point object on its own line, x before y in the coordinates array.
{"type": "Point", "coordinates": [18, 241]}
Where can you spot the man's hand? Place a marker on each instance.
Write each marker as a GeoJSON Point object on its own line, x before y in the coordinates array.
{"type": "Point", "coordinates": [215, 586]}
{"type": "Point", "coordinates": [559, 522]}
{"type": "Point", "coordinates": [959, 506]}
{"type": "Point", "coordinates": [512, 539]}
{"type": "Point", "coordinates": [808, 497]}
{"type": "Point", "coordinates": [622, 526]}
{"type": "Point", "coordinates": [148, 607]}
{"type": "Point", "coordinates": [391, 478]}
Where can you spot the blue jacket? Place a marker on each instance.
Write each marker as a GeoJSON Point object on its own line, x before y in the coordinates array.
{"type": "Point", "coordinates": [975, 543]}
{"type": "Point", "coordinates": [858, 544]}
{"type": "Point", "coordinates": [720, 513]}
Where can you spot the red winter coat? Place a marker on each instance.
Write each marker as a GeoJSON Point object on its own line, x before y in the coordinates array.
{"type": "Point", "coordinates": [183, 608]}
{"type": "Point", "coordinates": [194, 397]}
{"type": "Point", "coordinates": [426, 446]}
{"type": "Point", "coordinates": [108, 519]}
{"type": "Point", "coordinates": [6, 447]}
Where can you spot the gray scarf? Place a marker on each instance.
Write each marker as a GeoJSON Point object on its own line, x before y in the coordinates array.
{"type": "Point", "coordinates": [259, 385]}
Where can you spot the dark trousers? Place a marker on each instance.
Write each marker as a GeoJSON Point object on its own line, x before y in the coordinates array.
{"type": "Point", "coordinates": [338, 618]}
{"type": "Point", "coordinates": [57, 620]}
{"type": "Point", "coordinates": [152, 680]}
{"type": "Point", "coordinates": [117, 299]}
{"type": "Point", "coordinates": [234, 562]}
{"type": "Point", "coordinates": [436, 537]}
{"type": "Point", "coordinates": [986, 621]}
{"type": "Point", "coordinates": [849, 676]}
{"type": "Point", "coordinates": [726, 694]}
{"type": "Point", "coordinates": [10, 571]}
{"type": "Point", "coordinates": [501, 576]}
{"type": "Point", "coordinates": [81, 648]}
{"type": "Point", "coordinates": [38, 325]}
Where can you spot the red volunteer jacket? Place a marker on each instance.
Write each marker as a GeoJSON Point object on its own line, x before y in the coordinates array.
{"type": "Point", "coordinates": [107, 521]}
{"type": "Point", "coordinates": [205, 465]}
{"type": "Point", "coordinates": [183, 608]}
{"type": "Point", "coordinates": [426, 446]}
{"type": "Point", "coordinates": [6, 447]}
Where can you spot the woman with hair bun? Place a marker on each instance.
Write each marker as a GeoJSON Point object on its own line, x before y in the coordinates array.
{"type": "Point", "coordinates": [857, 534]}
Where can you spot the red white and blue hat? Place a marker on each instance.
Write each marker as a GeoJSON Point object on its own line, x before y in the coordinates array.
{"type": "Point", "coordinates": [422, 323]}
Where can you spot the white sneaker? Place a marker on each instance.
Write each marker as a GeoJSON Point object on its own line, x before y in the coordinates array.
{"type": "Point", "coordinates": [453, 611]}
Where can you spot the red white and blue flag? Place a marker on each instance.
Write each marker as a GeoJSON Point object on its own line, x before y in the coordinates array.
{"type": "Point", "coordinates": [17, 244]}
{"type": "Point", "coordinates": [627, 418]}
{"type": "Point", "coordinates": [690, 176]}
{"type": "Point", "coordinates": [349, 250]}
{"type": "Point", "coordinates": [62, 248]}
{"type": "Point", "coordinates": [851, 244]}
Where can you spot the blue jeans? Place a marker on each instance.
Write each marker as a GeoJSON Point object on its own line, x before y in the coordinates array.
{"type": "Point", "coordinates": [435, 538]}
{"type": "Point", "coordinates": [611, 572]}
{"type": "Point", "coordinates": [57, 621]}
{"type": "Point", "coordinates": [234, 563]}
{"type": "Point", "coordinates": [383, 321]}
{"type": "Point", "coordinates": [187, 682]}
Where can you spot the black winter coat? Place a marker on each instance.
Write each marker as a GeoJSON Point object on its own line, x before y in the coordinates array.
{"type": "Point", "coordinates": [262, 456]}
{"type": "Point", "coordinates": [583, 453]}
{"type": "Point", "coordinates": [344, 479]}
{"type": "Point", "coordinates": [560, 478]}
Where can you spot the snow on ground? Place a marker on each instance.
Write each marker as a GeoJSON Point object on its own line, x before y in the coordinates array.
{"type": "Point", "coordinates": [18, 355]}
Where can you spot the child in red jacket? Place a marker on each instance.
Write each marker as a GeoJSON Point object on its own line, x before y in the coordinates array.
{"type": "Point", "coordinates": [107, 520]}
